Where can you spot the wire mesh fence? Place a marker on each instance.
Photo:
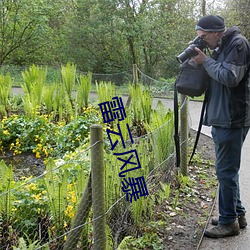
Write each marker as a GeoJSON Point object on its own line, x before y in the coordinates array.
{"type": "Point", "coordinates": [57, 209]}
{"type": "Point", "coordinates": [158, 87]}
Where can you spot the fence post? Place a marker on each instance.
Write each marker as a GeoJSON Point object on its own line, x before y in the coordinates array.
{"type": "Point", "coordinates": [135, 82]}
{"type": "Point", "coordinates": [184, 135]}
{"type": "Point", "coordinates": [135, 74]}
{"type": "Point", "coordinates": [98, 192]}
{"type": "Point", "coordinates": [80, 218]}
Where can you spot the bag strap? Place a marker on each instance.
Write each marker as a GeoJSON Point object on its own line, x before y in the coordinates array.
{"type": "Point", "coordinates": [199, 127]}
{"type": "Point", "coordinates": [176, 126]}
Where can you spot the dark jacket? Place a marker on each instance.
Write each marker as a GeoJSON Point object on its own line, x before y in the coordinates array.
{"type": "Point", "coordinates": [229, 90]}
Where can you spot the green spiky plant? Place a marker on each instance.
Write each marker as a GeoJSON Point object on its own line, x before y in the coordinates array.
{"type": "Point", "coordinates": [6, 184]}
{"type": "Point", "coordinates": [48, 98]}
{"type": "Point", "coordinates": [62, 106]}
{"type": "Point", "coordinates": [33, 86]}
{"type": "Point", "coordinates": [5, 90]}
{"type": "Point", "coordinates": [141, 106]}
{"type": "Point", "coordinates": [56, 185]}
{"type": "Point", "coordinates": [6, 203]}
{"type": "Point", "coordinates": [161, 126]}
{"type": "Point", "coordinates": [136, 93]}
{"type": "Point", "coordinates": [83, 91]}
{"type": "Point", "coordinates": [68, 74]}
{"type": "Point", "coordinates": [164, 192]}
{"type": "Point", "coordinates": [146, 101]}
{"type": "Point", "coordinates": [60, 182]}
{"type": "Point", "coordinates": [138, 209]}
{"type": "Point", "coordinates": [105, 91]}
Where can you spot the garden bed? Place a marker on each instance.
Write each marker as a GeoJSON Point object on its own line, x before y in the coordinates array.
{"type": "Point", "coordinates": [40, 211]}
{"type": "Point", "coordinates": [178, 222]}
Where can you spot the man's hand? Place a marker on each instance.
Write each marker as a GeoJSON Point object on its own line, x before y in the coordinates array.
{"type": "Point", "coordinates": [200, 58]}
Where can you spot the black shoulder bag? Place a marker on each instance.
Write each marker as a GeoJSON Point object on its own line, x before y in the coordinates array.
{"type": "Point", "coordinates": [191, 81]}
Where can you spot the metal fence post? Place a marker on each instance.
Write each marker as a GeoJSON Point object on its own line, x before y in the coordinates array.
{"type": "Point", "coordinates": [184, 135]}
{"type": "Point", "coordinates": [98, 192]}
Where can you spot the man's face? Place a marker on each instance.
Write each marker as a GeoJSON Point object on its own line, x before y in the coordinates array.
{"type": "Point", "coordinates": [211, 38]}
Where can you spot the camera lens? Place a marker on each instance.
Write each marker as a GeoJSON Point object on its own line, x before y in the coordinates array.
{"type": "Point", "coordinates": [187, 53]}
{"type": "Point", "coordinates": [190, 51]}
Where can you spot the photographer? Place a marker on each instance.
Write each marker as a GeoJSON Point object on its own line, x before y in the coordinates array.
{"type": "Point", "coordinates": [228, 112]}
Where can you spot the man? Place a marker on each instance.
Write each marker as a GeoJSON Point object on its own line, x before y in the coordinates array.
{"type": "Point", "coordinates": [228, 112]}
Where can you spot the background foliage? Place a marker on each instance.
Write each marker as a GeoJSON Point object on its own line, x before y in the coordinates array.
{"type": "Point", "coordinates": [106, 36]}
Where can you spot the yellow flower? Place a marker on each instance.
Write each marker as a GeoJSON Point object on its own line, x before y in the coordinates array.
{"type": "Point", "coordinates": [17, 152]}
{"type": "Point", "coordinates": [6, 132]}
{"type": "Point", "coordinates": [31, 187]}
{"type": "Point", "coordinates": [26, 178]}
{"type": "Point", "coordinates": [69, 211]}
{"type": "Point", "coordinates": [45, 151]}
{"type": "Point", "coordinates": [37, 196]}
{"type": "Point", "coordinates": [14, 209]}
{"type": "Point", "coordinates": [38, 155]}
{"type": "Point", "coordinates": [73, 199]}
{"type": "Point", "coordinates": [71, 194]}
{"type": "Point", "coordinates": [12, 145]}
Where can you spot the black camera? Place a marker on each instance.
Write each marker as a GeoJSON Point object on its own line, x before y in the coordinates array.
{"type": "Point", "coordinates": [190, 51]}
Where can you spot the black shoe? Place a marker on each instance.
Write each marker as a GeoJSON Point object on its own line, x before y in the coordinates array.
{"type": "Point", "coordinates": [241, 219]}
{"type": "Point", "coordinates": [221, 231]}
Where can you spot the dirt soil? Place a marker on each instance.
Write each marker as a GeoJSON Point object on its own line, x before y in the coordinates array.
{"type": "Point", "coordinates": [25, 164]}
{"type": "Point", "coordinates": [187, 221]}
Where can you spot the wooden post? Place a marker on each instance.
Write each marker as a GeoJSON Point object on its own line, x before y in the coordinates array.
{"type": "Point", "coordinates": [184, 135]}
{"type": "Point", "coordinates": [135, 82]}
{"type": "Point", "coordinates": [98, 192]}
{"type": "Point", "coordinates": [80, 218]}
{"type": "Point", "coordinates": [135, 74]}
